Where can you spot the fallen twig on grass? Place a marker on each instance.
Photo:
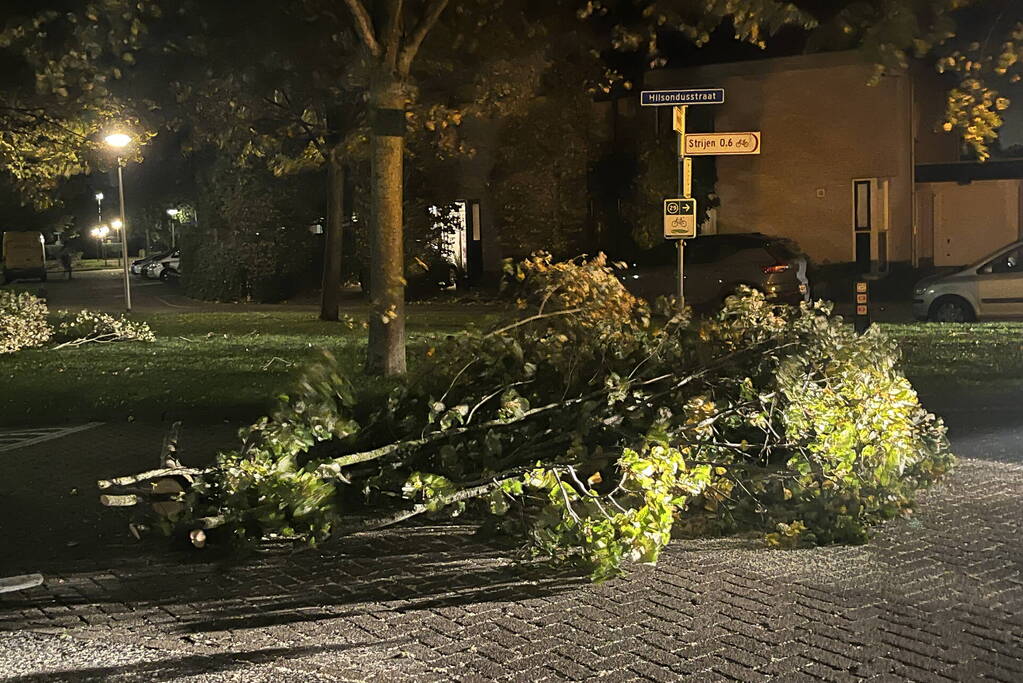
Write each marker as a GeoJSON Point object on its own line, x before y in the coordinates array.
{"type": "Point", "coordinates": [276, 359]}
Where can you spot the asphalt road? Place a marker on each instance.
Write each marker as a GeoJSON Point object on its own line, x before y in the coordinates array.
{"type": "Point", "coordinates": [103, 290]}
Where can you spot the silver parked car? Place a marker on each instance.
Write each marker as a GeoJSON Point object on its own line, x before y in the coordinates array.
{"type": "Point", "coordinates": [716, 265]}
{"type": "Point", "coordinates": [161, 268]}
{"type": "Point", "coordinates": [990, 288]}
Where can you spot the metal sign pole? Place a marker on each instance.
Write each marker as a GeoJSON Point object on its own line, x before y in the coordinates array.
{"type": "Point", "coordinates": [124, 237]}
{"type": "Point", "coordinates": [680, 128]}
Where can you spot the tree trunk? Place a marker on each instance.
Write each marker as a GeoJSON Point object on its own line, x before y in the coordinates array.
{"type": "Point", "coordinates": [330, 298]}
{"type": "Point", "coordinates": [386, 351]}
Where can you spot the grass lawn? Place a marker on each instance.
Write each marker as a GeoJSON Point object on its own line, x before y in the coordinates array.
{"type": "Point", "coordinates": [973, 354]}
{"type": "Point", "coordinates": [209, 367]}
{"type": "Point", "coordinates": [203, 367]}
{"type": "Point", "coordinates": [86, 264]}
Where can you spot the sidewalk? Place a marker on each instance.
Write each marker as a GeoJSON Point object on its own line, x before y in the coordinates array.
{"type": "Point", "coordinates": [936, 597]}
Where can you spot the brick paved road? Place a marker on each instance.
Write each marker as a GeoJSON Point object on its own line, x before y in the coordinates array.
{"type": "Point", "coordinates": [935, 597]}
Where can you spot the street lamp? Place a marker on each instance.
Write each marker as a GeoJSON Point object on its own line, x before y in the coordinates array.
{"type": "Point", "coordinates": [173, 213]}
{"type": "Point", "coordinates": [119, 141]}
{"type": "Point", "coordinates": [116, 224]}
{"type": "Point", "coordinates": [99, 205]}
{"type": "Point", "coordinates": [99, 233]}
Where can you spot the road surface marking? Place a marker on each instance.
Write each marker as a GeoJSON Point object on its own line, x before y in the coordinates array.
{"type": "Point", "coordinates": [11, 439]}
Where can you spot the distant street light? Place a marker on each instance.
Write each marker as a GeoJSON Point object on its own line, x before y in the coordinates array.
{"type": "Point", "coordinates": [116, 224]}
{"type": "Point", "coordinates": [173, 213]}
{"type": "Point", "coordinates": [100, 232]}
{"type": "Point", "coordinates": [99, 206]}
{"type": "Point", "coordinates": [120, 141]}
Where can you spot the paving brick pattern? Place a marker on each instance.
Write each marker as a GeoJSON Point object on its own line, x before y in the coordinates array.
{"type": "Point", "coordinates": [937, 597]}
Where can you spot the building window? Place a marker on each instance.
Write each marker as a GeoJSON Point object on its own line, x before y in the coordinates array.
{"type": "Point", "coordinates": [861, 199]}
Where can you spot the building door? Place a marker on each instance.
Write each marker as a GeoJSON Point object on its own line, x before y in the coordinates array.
{"type": "Point", "coordinates": [474, 241]}
{"type": "Point", "coordinates": [870, 224]}
{"type": "Point", "coordinates": [863, 209]}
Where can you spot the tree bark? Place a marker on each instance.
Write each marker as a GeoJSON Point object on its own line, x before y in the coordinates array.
{"type": "Point", "coordinates": [330, 298]}
{"type": "Point", "coordinates": [386, 350]}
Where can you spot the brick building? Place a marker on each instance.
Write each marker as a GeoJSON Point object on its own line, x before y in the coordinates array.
{"type": "Point", "coordinates": [841, 161]}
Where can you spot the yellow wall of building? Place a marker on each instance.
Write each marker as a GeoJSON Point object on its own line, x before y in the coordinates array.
{"type": "Point", "coordinates": [964, 223]}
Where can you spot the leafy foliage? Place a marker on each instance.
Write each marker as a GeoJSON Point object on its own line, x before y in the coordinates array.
{"type": "Point", "coordinates": [254, 242]}
{"type": "Point", "coordinates": [61, 96]}
{"type": "Point", "coordinates": [977, 44]}
{"type": "Point", "coordinates": [592, 435]}
{"type": "Point", "coordinates": [87, 327]}
{"type": "Point", "coordinates": [658, 175]}
{"type": "Point", "coordinates": [22, 322]}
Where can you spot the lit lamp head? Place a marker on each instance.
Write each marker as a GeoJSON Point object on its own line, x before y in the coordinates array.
{"type": "Point", "coordinates": [99, 196]}
{"type": "Point", "coordinates": [173, 213]}
{"type": "Point", "coordinates": [118, 140]}
{"type": "Point", "coordinates": [116, 224]}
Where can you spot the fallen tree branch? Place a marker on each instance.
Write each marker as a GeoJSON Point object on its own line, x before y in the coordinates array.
{"type": "Point", "coordinates": [187, 472]}
{"type": "Point", "coordinates": [9, 584]}
{"type": "Point", "coordinates": [532, 318]}
{"type": "Point", "coordinates": [402, 515]}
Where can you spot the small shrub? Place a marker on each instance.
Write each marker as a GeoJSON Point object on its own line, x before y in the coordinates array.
{"type": "Point", "coordinates": [23, 322]}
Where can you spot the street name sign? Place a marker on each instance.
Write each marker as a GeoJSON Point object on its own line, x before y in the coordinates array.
{"type": "Point", "coordinates": [674, 98]}
{"type": "Point", "coordinates": [697, 144]}
{"type": "Point", "coordinates": [679, 219]}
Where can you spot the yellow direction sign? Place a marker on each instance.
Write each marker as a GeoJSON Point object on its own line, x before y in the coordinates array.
{"type": "Point", "coordinates": [687, 177]}
{"type": "Point", "coordinates": [697, 144]}
{"type": "Point", "coordinates": [679, 218]}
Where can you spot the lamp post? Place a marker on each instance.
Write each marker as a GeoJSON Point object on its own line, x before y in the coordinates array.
{"type": "Point", "coordinates": [99, 233]}
{"type": "Point", "coordinates": [117, 224]}
{"type": "Point", "coordinates": [99, 214]}
{"type": "Point", "coordinates": [120, 141]}
{"type": "Point", "coordinates": [173, 213]}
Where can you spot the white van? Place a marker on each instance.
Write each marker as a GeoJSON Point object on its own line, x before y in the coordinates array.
{"type": "Point", "coordinates": [24, 255]}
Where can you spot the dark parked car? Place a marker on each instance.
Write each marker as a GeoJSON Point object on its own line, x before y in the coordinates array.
{"type": "Point", "coordinates": [716, 265]}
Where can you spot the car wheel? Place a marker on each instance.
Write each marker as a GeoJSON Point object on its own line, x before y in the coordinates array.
{"type": "Point", "coordinates": [951, 309]}
{"type": "Point", "coordinates": [164, 274]}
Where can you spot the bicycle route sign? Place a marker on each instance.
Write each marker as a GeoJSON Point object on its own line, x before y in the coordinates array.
{"type": "Point", "coordinates": [698, 144]}
{"type": "Point", "coordinates": [679, 219]}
